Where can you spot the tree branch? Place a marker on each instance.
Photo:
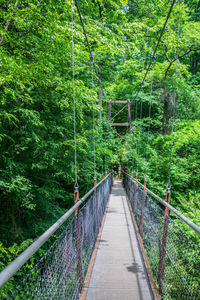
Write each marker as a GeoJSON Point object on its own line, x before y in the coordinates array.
{"type": "Point", "coordinates": [8, 22]}
{"type": "Point", "coordinates": [166, 54]}
{"type": "Point", "coordinates": [179, 57]}
{"type": "Point", "coordinates": [100, 10]}
{"type": "Point", "coordinates": [21, 34]}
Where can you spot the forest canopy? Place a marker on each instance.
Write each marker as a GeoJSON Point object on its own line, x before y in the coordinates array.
{"type": "Point", "coordinates": [36, 106]}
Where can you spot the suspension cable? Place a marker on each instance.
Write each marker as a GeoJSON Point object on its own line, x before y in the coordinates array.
{"type": "Point", "coordinates": [149, 125]}
{"type": "Point", "coordinates": [159, 40]}
{"type": "Point", "coordinates": [132, 143]}
{"type": "Point", "coordinates": [88, 44]}
{"type": "Point", "coordinates": [73, 96]}
{"type": "Point", "coordinates": [101, 133]}
{"type": "Point", "coordinates": [105, 147]}
{"type": "Point", "coordinates": [93, 121]}
{"type": "Point", "coordinates": [146, 73]}
{"type": "Point", "coordinates": [135, 127]}
{"type": "Point", "coordinates": [174, 98]}
{"type": "Point", "coordinates": [147, 148]}
{"type": "Point", "coordinates": [154, 52]}
{"type": "Point", "coordinates": [144, 78]}
{"type": "Point", "coordinates": [133, 133]}
{"type": "Point", "coordinates": [140, 129]}
{"type": "Point", "coordinates": [151, 61]}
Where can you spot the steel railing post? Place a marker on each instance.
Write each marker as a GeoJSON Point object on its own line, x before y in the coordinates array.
{"type": "Point", "coordinates": [131, 190]}
{"type": "Point", "coordinates": [103, 192]}
{"type": "Point", "coordinates": [16, 264]}
{"type": "Point", "coordinates": [143, 205]}
{"type": "Point", "coordinates": [96, 200]}
{"type": "Point", "coordinates": [78, 240]}
{"type": "Point", "coordinates": [134, 200]}
{"type": "Point", "coordinates": [164, 242]}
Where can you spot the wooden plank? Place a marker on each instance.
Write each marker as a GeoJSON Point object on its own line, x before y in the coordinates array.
{"type": "Point", "coordinates": [145, 259]}
{"type": "Point", "coordinates": [120, 124]}
{"type": "Point", "coordinates": [129, 117]}
{"type": "Point", "coordinates": [118, 271]}
{"type": "Point", "coordinates": [93, 257]}
{"type": "Point", "coordinates": [119, 101]}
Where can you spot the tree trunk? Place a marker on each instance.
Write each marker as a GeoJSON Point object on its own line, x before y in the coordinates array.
{"type": "Point", "coordinates": [100, 93]}
{"type": "Point", "coordinates": [8, 22]}
{"type": "Point", "coordinates": [165, 119]}
{"type": "Point", "coordinates": [194, 63]}
{"type": "Point", "coordinates": [100, 101]}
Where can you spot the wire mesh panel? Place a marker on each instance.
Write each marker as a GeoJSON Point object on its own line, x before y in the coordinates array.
{"type": "Point", "coordinates": [60, 272]}
{"type": "Point", "coordinates": [180, 257]}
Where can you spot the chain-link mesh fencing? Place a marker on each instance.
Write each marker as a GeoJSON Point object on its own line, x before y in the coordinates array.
{"type": "Point", "coordinates": [60, 272]}
{"type": "Point", "coordinates": [176, 266]}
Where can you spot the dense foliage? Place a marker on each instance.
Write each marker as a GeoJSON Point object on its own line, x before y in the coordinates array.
{"type": "Point", "coordinates": [36, 107]}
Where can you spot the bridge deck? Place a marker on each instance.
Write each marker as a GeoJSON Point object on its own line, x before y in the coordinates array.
{"type": "Point", "coordinates": [118, 271]}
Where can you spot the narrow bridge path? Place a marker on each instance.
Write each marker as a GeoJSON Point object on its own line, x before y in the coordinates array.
{"type": "Point", "coordinates": [118, 272]}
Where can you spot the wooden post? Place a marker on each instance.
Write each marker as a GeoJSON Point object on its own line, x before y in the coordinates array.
{"type": "Point", "coordinates": [143, 205]}
{"type": "Point", "coordinates": [78, 241]}
{"type": "Point", "coordinates": [127, 103]}
{"type": "Point", "coordinates": [164, 243]}
{"type": "Point", "coordinates": [134, 200]}
{"type": "Point", "coordinates": [109, 110]}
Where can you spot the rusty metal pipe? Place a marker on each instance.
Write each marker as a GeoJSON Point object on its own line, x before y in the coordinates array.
{"type": "Point", "coordinates": [143, 205]}
{"type": "Point", "coordinates": [78, 242]}
{"type": "Point", "coordinates": [171, 208]}
{"type": "Point", "coordinates": [164, 243]}
{"type": "Point", "coordinates": [14, 266]}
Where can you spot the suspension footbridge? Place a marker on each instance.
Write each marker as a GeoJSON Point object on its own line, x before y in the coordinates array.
{"type": "Point", "coordinates": [119, 241]}
{"type": "Point", "coordinates": [118, 271]}
{"type": "Point", "coordinates": [118, 246]}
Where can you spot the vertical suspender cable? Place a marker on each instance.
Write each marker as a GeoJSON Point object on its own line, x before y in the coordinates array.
{"type": "Point", "coordinates": [148, 69]}
{"type": "Point", "coordinates": [159, 40]}
{"type": "Point", "coordinates": [133, 139]}
{"type": "Point", "coordinates": [174, 98]}
{"type": "Point", "coordinates": [132, 143]}
{"type": "Point", "coordinates": [140, 129]}
{"type": "Point", "coordinates": [136, 109]}
{"type": "Point", "coordinates": [73, 95]}
{"type": "Point", "coordinates": [101, 128]}
{"type": "Point", "coordinates": [149, 126]}
{"type": "Point", "coordinates": [134, 129]}
{"type": "Point", "coordinates": [147, 148]}
{"type": "Point", "coordinates": [93, 121]}
{"type": "Point", "coordinates": [105, 147]}
{"type": "Point", "coordinates": [144, 78]}
{"type": "Point", "coordinates": [87, 41]}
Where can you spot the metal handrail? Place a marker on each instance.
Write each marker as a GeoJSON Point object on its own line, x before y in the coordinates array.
{"type": "Point", "coordinates": [16, 264]}
{"type": "Point", "coordinates": [171, 208]}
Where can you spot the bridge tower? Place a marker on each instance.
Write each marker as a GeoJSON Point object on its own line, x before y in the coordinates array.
{"type": "Point", "coordinates": [127, 104]}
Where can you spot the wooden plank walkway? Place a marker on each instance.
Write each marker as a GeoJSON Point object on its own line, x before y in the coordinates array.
{"type": "Point", "coordinates": [118, 272]}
